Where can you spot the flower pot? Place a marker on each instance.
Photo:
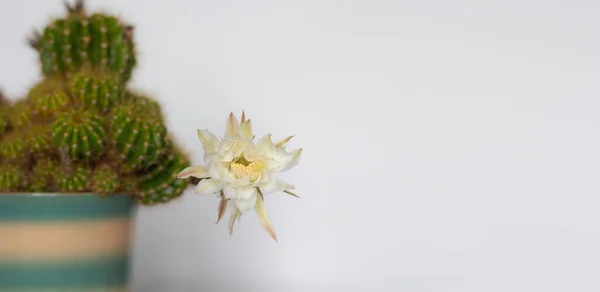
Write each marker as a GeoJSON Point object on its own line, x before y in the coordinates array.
{"type": "Point", "coordinates": [65, 242]}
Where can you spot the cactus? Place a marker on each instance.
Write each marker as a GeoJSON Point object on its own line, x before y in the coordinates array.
{"type": "Point", "coordinates": [80, 41]}
{"type": "Point", "coordinates": [144, 102]}
{"type": "Point", "coordinates": [80, 131]}
{"type": "Point", "coordinates": [80, 128]}
{"type": "Point", "coordinates": [11, 177]}
{"type": "Point", "coordinates": [3, 124]}
{"type": "Point", "coordinates": [138, 134]}
{"type": "Point", "coordinates": [44, 169]}
{"type": "Point", "coordinates": [160, 183]}
{"type": "Point", "coordinates": [18, 115]}
{"type": "Point", "coordinates": [4, 104]}
{"type": "Point", "coordinates": [98, 92]}
{"type": "Point", "coordinates": [41, 178]}
{"type": "Point", "coordinates": [129, 184]}
{"type": "Point", "coordinates": [38, 139]}
{"type": "Point", "coordinates": [105, 180]}
{"type": "Point", "coordinates": [47, 85]}
{"type": "Point", "coordinates": [35, 186]}
{"type": "Point", "coordinates": [12, 147]}
{"type": "Point", "coordinates": [47, 105]}
{"type": "Point", "coordinates": [72, 179]}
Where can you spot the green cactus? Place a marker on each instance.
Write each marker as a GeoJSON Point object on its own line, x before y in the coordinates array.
{"type": "Point", "coordinates": [42, 176]}
{"type": "Point", "coordinates": [160, 183]}
{"type": "Point", "coordinates": [93, 91]}
{"type": "Point", "coordinates": [36, 186]}
{"type": "Point", "coordinates": [3, 124]}
{"type": "Point", "coordinates": [144, 102]}
{"type": "Point", "coordinates": [10, 178]}
{"type": "Point", "coordinates": [138, 134]}
{"type": "Point", "coordinates": [73, 179]}
{"type": "Point", "coordinates": [18, 115]}
{"type": "Point", "coordinates": [105, 180]}
{"type": "Point", "coordinates": [81, 132]}
{"type": "Point", "coordinates": [81, 41]}
{"type": "Point", "coordinates": [49, 104]}
{"type": "Point", "coordinates": [4, 104]}
{"type": "Point", "coordinates": [129, 184]}
{"type": "Point", "coordinates": [108, 138]}
{"type": "Point", "coordinates": [47, 85]}
{"type": "Point", "coordinates": [38, 139]}
{"type": "Point", "coordinates": [44, 169]}
{"type": "Point", "coordinates": [13, 147]}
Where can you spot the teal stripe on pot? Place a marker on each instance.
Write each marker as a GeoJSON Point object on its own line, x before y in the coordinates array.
{"type": "Point", "coordinates": [56, 207]}
{"type": "Point", "coordinates": [102, 273]}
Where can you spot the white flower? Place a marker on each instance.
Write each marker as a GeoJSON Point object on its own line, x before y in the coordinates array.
{"type": "Point", "coordinates": [241, 171]}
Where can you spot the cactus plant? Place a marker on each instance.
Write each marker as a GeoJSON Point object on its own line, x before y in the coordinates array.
{"type": "Point", "coordinates": [46, 105]}
{"type": "Point", "coordinates": [11, 177]}
{"type": "Point", "coordinates": [42, 176]}
{"type": "Point", "coordinates": [81, 128]}
{"type": "Point", "coordinates": [37, 139]}
{"type": "Point", "coordinates": [81, 131]}
{"type": "Point", "coordinates": [44, 169]}
{"type": "Point", "coordinates": [81, 41]}
{"type": "Point", "coordinates": [12, 147]}
{"type": "Point", "coordinates": [73, 179]}
{"type": "Point", "coordinates": [160, 183]}
{"type": "Point", "coordinates": [95, 91]}
{"type": "Point", "coordinates": [105, 180]}
{"type": "Point", "coordinates": [18, 115]}
{"type": "Point", "coordinates": [138, 133]}
{"type": "Point", "coordinates": [3, 124]}
{"type": "Point", "coordinates": [3, 112]}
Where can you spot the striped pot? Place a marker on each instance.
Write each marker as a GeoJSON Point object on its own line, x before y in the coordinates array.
{"type": "Point", "coordinates": [65, 242]}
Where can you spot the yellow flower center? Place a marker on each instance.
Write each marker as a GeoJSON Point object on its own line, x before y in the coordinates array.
{"type": "Point", "coordinates": [242, 168]}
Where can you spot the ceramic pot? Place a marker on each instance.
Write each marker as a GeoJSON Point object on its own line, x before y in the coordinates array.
{"type": "Point", "coordinates": [65, 242]}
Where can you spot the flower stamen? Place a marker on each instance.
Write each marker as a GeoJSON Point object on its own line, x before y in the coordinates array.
{"type": "Point", "coordinates": [243, 168]}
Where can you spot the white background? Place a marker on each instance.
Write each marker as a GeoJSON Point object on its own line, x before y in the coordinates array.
{"type": "Point", "coordinates": [448, 145]}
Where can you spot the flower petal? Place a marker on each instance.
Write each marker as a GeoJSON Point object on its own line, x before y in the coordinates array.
{"type": "Point", "coordinates": [246, 130]}
{"type": "Point", "coordinates": [195, 171]}
{"type": "Point", "coordinates": [222, 208]}
{"type": "Point", "coordinates": [295, 159]}
{"type": "Point", "coordinates": [246, 205]}
{"type": "Point", "coordinates": [210, 142]}
{"type": "Point", "coordinates": [232, 127]}
{"type": "Point", "coordinates": [264, 219]}
{"type": "Point", "coordinates": [208, 186]}
{"type": "Point", "coordinates": [239, 193]}
{"type": "Point", "coordinates": [235, 215]}
{"type": "Point", "coordinates": [280, 160]}
{"type": "Point", "coordinates": [243, 117]}
{"type": "Point", "coordinates": [275, 185]}
{"type": "Point", "coordinates": [265, 145]}
{"type": "Point", "coordinates": [283, 142]}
